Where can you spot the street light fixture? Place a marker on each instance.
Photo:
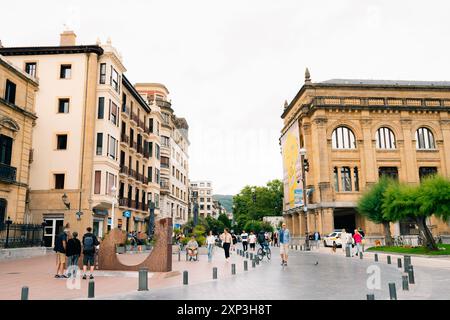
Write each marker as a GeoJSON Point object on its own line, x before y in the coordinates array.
{"type": "Point", "coordinates": [305, 168]}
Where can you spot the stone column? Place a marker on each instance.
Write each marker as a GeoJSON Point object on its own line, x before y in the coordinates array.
{"type": "Point", "coordinates": [409, 166]}
{"type": "Point", "coordinates": [368, 172]}
{"type": "Point", "coordinates": [327, 218]}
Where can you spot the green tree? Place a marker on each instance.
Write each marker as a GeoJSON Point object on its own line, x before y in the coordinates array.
{"type": "Point", "coordinates": [214, 225]}
{"type": "Point", "coordinates": [433, 199]}
{"type": "Point", "coordinates": [418, 202]}
{"type": "Point", "coordinates": [264, 201]}
{"type": "Point", "coordinates": [370, 206]}
{"type": "Point", "coordinates": [224, 219]}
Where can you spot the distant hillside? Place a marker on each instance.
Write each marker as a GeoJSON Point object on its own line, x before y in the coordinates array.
{"type": "Point", "coordinates": [225, 200]}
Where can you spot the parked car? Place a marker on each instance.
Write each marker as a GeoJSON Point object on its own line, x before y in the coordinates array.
{"type": "Point", "coordinates": [334, 237]}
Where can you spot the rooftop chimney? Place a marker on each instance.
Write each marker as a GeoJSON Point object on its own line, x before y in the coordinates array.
{"type": "Point", "coordinates": [67, 38]}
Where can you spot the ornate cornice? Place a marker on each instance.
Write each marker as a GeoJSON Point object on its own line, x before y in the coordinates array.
{"type": "Point", "coordinates": [320, 121]}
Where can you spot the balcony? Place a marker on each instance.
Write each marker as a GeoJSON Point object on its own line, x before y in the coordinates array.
{"type": "Point", "coordinates": [124, 202]}
{"type": "Point", "coordinates": [141, 125]}
{"type": "Point", "coordinates": [133, 145]}
{"type": "Point", "coordinates": [165, 165]}
{"type": "Point", "coordinates": [125, 111]}
{"type": "Point", "coordinates": [139, 178]}
{"type": "Point", "coordinates": [124, 171]}
{"type": "Point", "coordinates": [134, 118]}
{"type": "Point", "coordinates": [163, 104]}
{"type": "Point", "coordinates": [132, 174]}
{"type": "Point", "coordinates": [140, 149]}
{"type": "Point", "coordinates": [124, 139]}
{"type": "Point", "coordinates": [7, 173]}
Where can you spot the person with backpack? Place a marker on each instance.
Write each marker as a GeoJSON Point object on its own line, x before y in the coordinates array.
{"type": "Point", "coordinates": [73, 251]}
{"type": "Point", "coordinates": [60, 249]}
{"type": "Point", "coordinates": [90, 241]}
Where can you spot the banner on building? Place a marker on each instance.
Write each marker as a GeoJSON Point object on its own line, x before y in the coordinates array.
{"type": "Point", "coordinates": [290, 146]}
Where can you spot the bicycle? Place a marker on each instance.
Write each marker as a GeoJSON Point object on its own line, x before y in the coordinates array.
{"type": "Point", "coordinates": [264, 252]}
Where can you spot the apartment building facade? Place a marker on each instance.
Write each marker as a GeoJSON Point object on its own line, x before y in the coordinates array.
{"type": "Point", "coordinates": [202, 192]}
{"type": "Point", "coordinates": [76, 175]}
{"type": "Point", "coordinates": [17, 118]}
{"type": "Point", "coordinates": [353, 132]}
{"type": "Point", "coordinates": [174, 169]}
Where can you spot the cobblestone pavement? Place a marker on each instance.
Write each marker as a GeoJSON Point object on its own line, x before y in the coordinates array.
{"type": "Point", "coordinates": [311, 275]}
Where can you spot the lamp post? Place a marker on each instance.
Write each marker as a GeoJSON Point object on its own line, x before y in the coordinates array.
{"type": "Point", "coordinates": [151, 227]}
{"type": "Point", "coordinates": [8, 223]}
{"type": "Point", "coordinates": [113, 190]}
{"type": "Point", "coordinates": [305, 168]}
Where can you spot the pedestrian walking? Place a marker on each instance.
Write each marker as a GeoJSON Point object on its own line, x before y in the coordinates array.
{"type": "Point", "coordinates": [244, 237]}
{"type": "Point", "coordinates": [60, 249]}
{"type": "Point", "coordinates": [363, 235]}
{"type": "Point", "coordinates": [73, 253]}
{"type": "Point", "coordinates": [343, 239]}
{"type": "Point", "coordinates": [90, 241]}
{"type": "Point", "coordinates": [285, 238]}
{"type": "Point", "coordinates": [210, 241]}
{"type": "Point", "coordinates": [358, 240]}
{"type": "Point", "coordinates": [227, 241]}
{"type": "Point", "coordinates": [252, 241]}
{"type": "Point", "coordinates": [317, 239]}
{"type": "Point", "coordinates": [275, 239]}
{"type": "Point", "coordinates": [234, 240]}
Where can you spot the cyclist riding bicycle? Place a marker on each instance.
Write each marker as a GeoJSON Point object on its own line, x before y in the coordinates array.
{"type": "Point", "coordinates": [263, 241]}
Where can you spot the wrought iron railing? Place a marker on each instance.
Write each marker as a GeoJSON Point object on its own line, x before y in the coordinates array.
{"type": "Point", "coordinates": [16, 235]}
{"type": "Point", "coordinates": [7, 173]}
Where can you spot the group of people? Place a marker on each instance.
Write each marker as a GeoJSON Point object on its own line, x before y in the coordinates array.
{"type": "Point", "coordinates": [136, 240]}
{"type": "Point", "coordinates": [347, 240]}
{"type": "Point", "coordinates": [68, 249]}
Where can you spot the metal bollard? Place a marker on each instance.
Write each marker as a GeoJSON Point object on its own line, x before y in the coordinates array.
{"type": "Point", "coordinates": [185, 277]}
{"type": "Point", "coordinates": [245, 265]}
{"type": "Point", "coordinates": [376, 257]}
{"type": "Point", "coordinates": [251, 256]}
{"type": "Point", "coordinates": [347, 252]}
{"type": "Point", "coordinates": [143, 279]}
{"type": "Point", "coordinates": [405, 284]}
{"type": "Point", "coordinates": [371, 296]}
{"type": "Point", "coordinates": [214, 273]}
{"type": "Point", "coordinates": [411, 274]}
{"type": "Point", "coordinates": [233, 268]}
{"type": "Point", "coordinates": [392, 291]}
{"type": "Point", "coordinates": [179, 255]}
{"type": "Point", "coordinates": [91, 289]}
{"type": "Point", "coordinates": [360, 256]}
{"type": "Point", "coordinates": [257, 260]}
{"type": "Point", "coordinates": [24, 293]}
{"type": "Point", "coordinates": [388, 259]}
{"type": "Point", "coordinates": [253, 264]}
{"type": "Point", "coordinates": [399, 263]}
{"type": "Point", "coordinates": [296, 247]}
{"type": "Point", "coordinates": [246, 255]}
{"type": "Point", "coordinates": [406, 262]}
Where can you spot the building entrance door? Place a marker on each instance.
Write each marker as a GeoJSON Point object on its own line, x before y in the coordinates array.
{"type": "Point", "coordinates": [345, 218]}
{"type": "Point", "coordinates": [53, 227]}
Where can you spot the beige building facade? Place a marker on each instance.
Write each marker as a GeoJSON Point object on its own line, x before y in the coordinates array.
{"type": "Point", "coordinates": [174, 173]}
{"type": "Point", "coordinates": [205, 201]}
{"type": "Point", "coordinates": [355, 131]}
{"type": "Point", "coordinates": [17, 118]}
{"type": "Point", "coordinates": [77, 173]}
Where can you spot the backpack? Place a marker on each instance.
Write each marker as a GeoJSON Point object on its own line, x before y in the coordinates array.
{"type": "Point", "coordinates": [88, 244]}
{"type": "Point", "coordinates": [261, 237]}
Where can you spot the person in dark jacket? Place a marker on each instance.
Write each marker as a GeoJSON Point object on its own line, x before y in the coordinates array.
{"type": "Point", "coordinates": [73, 251]}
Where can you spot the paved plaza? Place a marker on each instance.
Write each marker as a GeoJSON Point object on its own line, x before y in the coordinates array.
{"type": "Point", "coordinates": [318, 274]}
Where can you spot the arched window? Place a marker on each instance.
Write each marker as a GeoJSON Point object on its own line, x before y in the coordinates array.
{"type": "Point", "coordinates": [385, 138]}
{"type": "Point", "coordinates": [424, 139]}
{"type": "Point", "coordinates": [343, 138]}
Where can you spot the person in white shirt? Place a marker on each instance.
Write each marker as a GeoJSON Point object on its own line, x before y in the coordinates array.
{"type": "Point", "coordinates": [252, 241]}
{"type": "Point", "coordinates": [244, 237]}
{"type": "Point", "coordinates": [210, 241]}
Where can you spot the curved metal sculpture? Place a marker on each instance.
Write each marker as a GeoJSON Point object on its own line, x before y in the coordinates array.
{"type": "Point", "coordinates": [159, 260]}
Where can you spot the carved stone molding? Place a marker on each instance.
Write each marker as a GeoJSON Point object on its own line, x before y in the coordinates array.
{"type": "Point", "coordinates": [366, 122]}
{"type": "Point", "coordinates": [445, 123]}
{"type": "Point", "coordinates": [405, 122]}
{"type": "Point", "coordinates": [320, 122]}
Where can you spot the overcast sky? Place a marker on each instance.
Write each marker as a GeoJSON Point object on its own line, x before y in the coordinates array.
{"type": "Point", "coordinates": [229, 65]}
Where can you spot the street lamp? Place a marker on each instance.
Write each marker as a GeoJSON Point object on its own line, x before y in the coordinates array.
{"type": "Point", "coordinates": [254, 194]}
{"type": "Point", "coordinates": [8, 223]}
{"type": "Point", "coordinates": [305, 168]}
{"type": "Point", "coordinates": [151, 227]}
{"type": "Point", "coordinates": [113, 190]}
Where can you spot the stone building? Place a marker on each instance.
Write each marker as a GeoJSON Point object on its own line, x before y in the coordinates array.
{"type": "Point", "coordinates": [204, 198]}
{"type": "Point", "coordinates": [17, 118]}
{"type": "Point", "coordinates": [355, 131]}
{"type": "Point", "coordinates": [174, 174]}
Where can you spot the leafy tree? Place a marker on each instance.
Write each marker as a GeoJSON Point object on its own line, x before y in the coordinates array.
{"type": "Point", "coordinates": [370, 206]}
{"type": "Point", "coordinates": [433, 199]}
{"type": "Point", "coordinates": [257, 226]}
{"type": "Point", "coordinates": [214, 225]}
{"type": "Point", "coordinates": [265, 201]}
{"type": "Point", "coordinates": [419, 202]}
{"type": "Point", "coordinates": [224, 219]}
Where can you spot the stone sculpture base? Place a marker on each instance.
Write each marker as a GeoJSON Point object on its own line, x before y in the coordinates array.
{"type": "Point", "coordinates": [159, 260]}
